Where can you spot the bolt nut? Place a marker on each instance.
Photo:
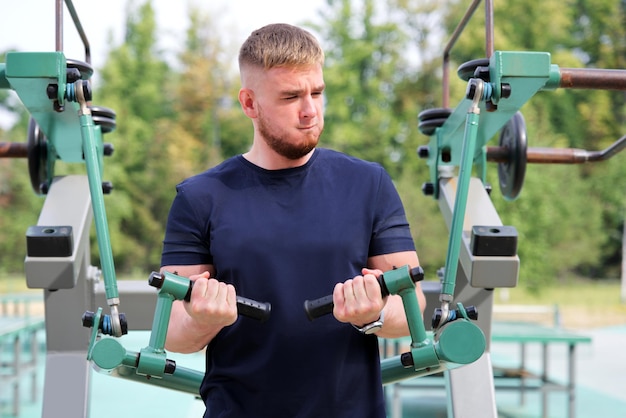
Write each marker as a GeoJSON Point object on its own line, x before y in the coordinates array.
{"type": "Point", "coordinates": [107, 149]}
{"type": "Point", "coordinates": [472, 312]}
{"type": "Point", "coordinates": [428, 189]}
{"type": "Point", "coordinates": [436, 320]}
{"type": "Point", "coordinates": [170, 366]}
{"type": "Point", "coordinates": [87, 319]}
{"type": "Point", "coordinates": [52, 90]}
{"type": "Point", "coordinates": [423, 152]}
{"type": "Point", "coordinates": [107, 187]}
{"type": "Point", "coordinates": [406, 359]}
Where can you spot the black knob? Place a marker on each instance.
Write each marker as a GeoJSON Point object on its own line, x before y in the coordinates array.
{"type": "Point", "coordinates": [170, 366]}
{"type": "Point", "coordinates": [88, 318]}
{"type": "Point", "coordinates": [428, 189]}
{"type": "Point", "coordinates": [406, 359]}
{"type": "Point", "coordinates": [423, 152]}
{"type": "Point", "coordinates": [156, 280]}
{"type": "Point", "coordinates": [107, 149]}
{"type": "Point", "coordinates": [107, 187]}
{"type": "Point", "coordinates": [472, 312]}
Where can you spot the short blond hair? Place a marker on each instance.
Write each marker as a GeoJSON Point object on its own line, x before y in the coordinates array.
{"type": "Point", "coordinates": [280, 45]}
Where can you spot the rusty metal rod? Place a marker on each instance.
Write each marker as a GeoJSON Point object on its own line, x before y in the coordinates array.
{"type": "Point", "coordinates": [13, 150]}
{"type": "Point", "coordinates": [79, 28]}
{"type": "Point", "coordinates": [540, 155]}
{"type": "Point", "coordinates": [593, 78]}
{"type": "Point", "coordinates": [446, 52]}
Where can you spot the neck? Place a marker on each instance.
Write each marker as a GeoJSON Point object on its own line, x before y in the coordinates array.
{"type": "Point", "coordinates": [270, 160]}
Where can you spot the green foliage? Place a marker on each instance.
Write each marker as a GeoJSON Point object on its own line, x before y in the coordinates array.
{"type": "Point", "coordinates": [177, 117]}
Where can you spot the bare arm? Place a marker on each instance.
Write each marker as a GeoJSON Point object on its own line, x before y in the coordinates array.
{"type": "Point", "coordinates": [212, 306]}
{"type": "Point", "coordinates": [395, 319]}
{"type": "Point", "coordinates": [359, 300]}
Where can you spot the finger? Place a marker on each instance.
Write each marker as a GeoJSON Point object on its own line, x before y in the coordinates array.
{"type": "Point", "coordinates": [358, 288]}
{"type": "Point", "coordinates": [372, 287]}
{"type": "Point", "coordinates": [375, 272]}
{"type": "Point", "coordinates": [199, 289]}
{"type": "Point", "coordinates": [205, 275]}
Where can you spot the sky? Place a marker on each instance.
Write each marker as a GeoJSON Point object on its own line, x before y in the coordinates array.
{"type": "Point", "coordinates": [29, 25]}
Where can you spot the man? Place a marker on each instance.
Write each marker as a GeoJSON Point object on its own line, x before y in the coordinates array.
{"type": "Point", "coordinates": [283, 223]}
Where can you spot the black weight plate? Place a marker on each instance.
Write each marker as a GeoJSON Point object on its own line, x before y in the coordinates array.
{"type": "Point", "coordinates": [37, 146]}
{"type": "Point", "coordinates": [511, 174]}
{"type": "Point", "coordinates": [102, 111]}
{"type": "Point", "coordinates": [86, 70]}
{"type": "Point", "coordinates": [427, 127]}
{"type": "Point", "coordinates": [435, 113]}
{"type": "Point", "coordinates": [466, 70]}
{"type": "Point", "coordinates": [106, 124]}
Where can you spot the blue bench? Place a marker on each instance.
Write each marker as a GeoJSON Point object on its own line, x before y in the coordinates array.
{"type": "Point", "coordinates": [518, 376]}
{"type": "Point", "coordinates": [17, 333]}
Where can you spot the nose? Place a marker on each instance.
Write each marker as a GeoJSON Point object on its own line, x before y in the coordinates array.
{"type": "Point", "coordinates": [308, 109]}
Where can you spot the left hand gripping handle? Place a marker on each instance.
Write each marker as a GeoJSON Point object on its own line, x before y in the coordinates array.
{"type": "Point", "coordinates": [246, 307]}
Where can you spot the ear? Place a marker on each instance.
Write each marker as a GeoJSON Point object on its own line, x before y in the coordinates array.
{"type": "Point", "coordinates": [247, 101]}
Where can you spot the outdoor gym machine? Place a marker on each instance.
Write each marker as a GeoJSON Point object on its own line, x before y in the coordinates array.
{"type": "Point", "coordinates": [482, 253]}
{"type": "Point", "coordinates": [65, 126]}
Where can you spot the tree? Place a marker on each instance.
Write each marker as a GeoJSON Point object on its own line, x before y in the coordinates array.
{"type": "Point", "coordinates": [135, 83]}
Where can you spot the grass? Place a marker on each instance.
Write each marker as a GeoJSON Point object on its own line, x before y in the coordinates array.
{"type": "Point", "coordinates": [581, 303]}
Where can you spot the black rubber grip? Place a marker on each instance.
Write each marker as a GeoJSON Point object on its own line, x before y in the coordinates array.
{"type": "Point", "coordinates": [325, 305]}
{"type": "Point", "coordinates": [253, 309]}
{"type": "Point", "coordinates": [246, 307]}
{"type": "Point", "coordinates": [318, 307]}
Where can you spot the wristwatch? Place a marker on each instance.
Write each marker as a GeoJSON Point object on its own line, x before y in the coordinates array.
{"type": "Point", "coordinates": [372, 327]}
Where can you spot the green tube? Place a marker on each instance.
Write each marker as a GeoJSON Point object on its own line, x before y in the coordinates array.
{"type": "Point", "coordinates": [460, 203]}
{"type": "Point", "coordinates": [94, 174]}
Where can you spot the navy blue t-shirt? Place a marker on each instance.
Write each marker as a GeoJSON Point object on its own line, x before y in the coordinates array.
{"type": "Point", "coordinates": [285, 236]}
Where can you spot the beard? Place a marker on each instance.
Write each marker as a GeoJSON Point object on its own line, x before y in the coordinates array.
{"type": "Point", "coordinates": [280, 142]}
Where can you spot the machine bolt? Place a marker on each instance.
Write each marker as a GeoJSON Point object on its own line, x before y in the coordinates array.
{"type": "Point", "coordinates": [52, 90]}
{"type": "Point", "coordinates": [107, 149]}
{"type": "Point", "coordinates": [482, 73]}
{"type": "Point", "coordinates": [156, 280]}
{"type": "Point", "coordinates": [428, 189]}
{"type": "Point", "coordinates": [470, 92]}
{"type": "Point", "coordinates": [505, 90]}
{"type": "Point", "coordinates": [86, 86]}
{"type": "Point", "coordinates": [107, 187]}
{"type": "Point", "coordinates": [170, 366]}
{"type": "Point", "coordinates": [88, 318]}
{"type": "Point", "coordinates": [406, 359]}
{"type": "Point", "coordinates": [423, 151]}
{"type": "Point", "coordinates": [472, 312]}
{"type": "Point", "coordinates": [72, 75]}
{"type": "Point", "coordinates": [436, 318]}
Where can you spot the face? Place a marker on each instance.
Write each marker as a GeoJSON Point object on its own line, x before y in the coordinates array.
{"type": "Point", "coordinates": [289, 109]}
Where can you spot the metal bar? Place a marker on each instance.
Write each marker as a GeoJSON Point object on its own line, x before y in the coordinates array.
{"type": "Point", "coordinates": [523, 377]}
{"type": "Point", "coordinates": [79, 28]}
{"type": "Point", "coordinates": [571, 386]}
{"type": "Point", "coordinates": [539, 155]}
{"type": "Point", "coordinates": [58, 13]}
{"type": "Point", "coordinates": [592, 78]}
{"type": "Point", "coordinates": [446, 52]}
{"type": "Point", "coordinates": [544, 379]}
{"type": "Point", "coordinates": [13, 150]}
{"type": "Point", "coordinates": [489, 37]}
